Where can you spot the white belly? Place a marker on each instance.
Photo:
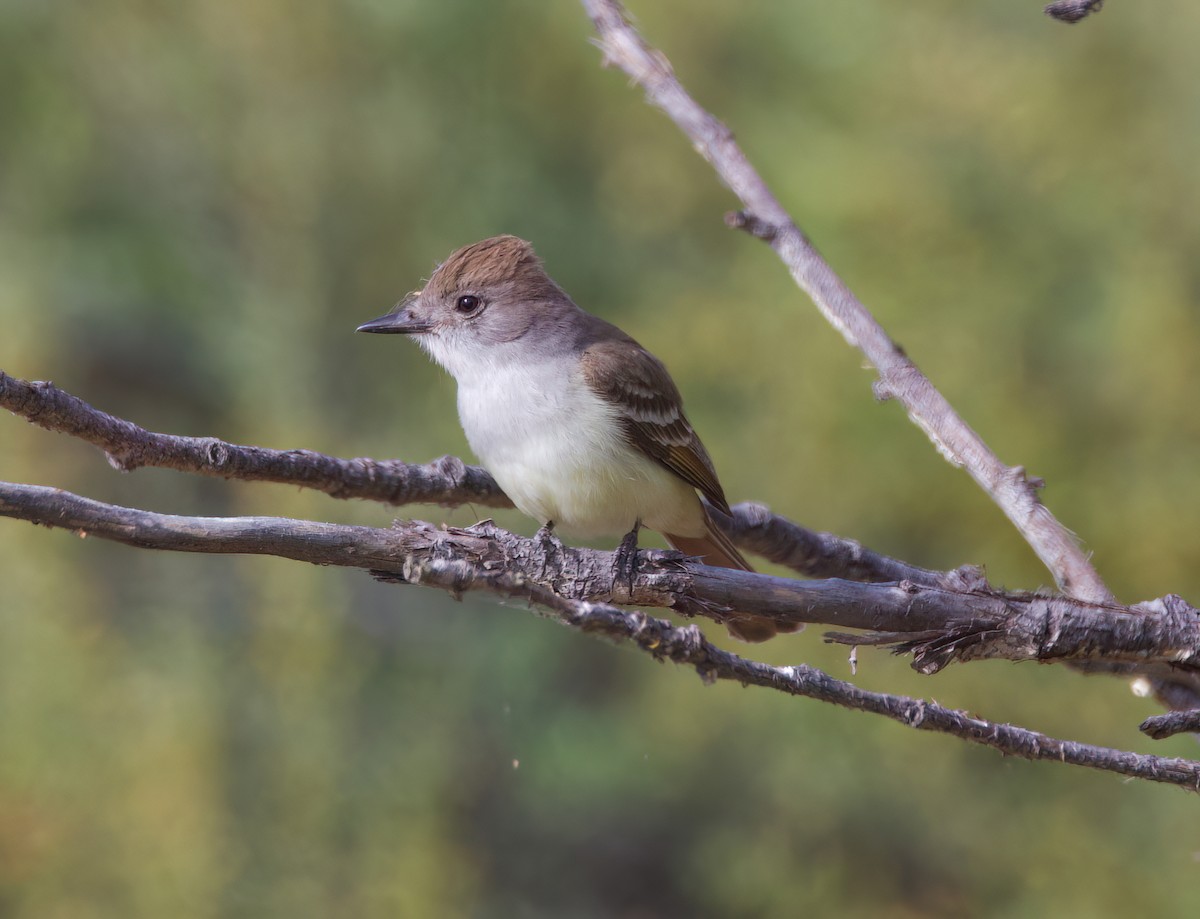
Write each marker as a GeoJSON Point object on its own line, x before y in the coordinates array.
{"type": "Point", "coordinates": [557, 451]}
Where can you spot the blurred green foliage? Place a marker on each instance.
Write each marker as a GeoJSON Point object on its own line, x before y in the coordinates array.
{"type": "Point", "coordinates": [198, 203]}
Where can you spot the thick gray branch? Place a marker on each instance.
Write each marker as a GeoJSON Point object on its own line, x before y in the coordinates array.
{"type": "Point", "coordinates": [899, 377]}
{"type": "Point", "coordinates": [937, 625]}
{"type": "Point", "coordinates": [486, 558]}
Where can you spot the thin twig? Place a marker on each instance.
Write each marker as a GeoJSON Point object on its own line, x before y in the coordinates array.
{"type": "Point", "coordinates": [1170, 724]}
{"type": "Point", "coordinates": [447, 481]}
{"type": "Point", "coordinates": [825, 555]}
{"type": "Point", "coordinates": [1072, 11]}
{"type": "Point", "coordinates": [899, 377]}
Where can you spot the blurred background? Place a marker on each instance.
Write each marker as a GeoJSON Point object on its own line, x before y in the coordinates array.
{"type": "Point", "coordinates": [198, 204]}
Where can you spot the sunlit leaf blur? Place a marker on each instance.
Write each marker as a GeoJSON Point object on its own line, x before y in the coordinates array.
{"type": "Point", "coordinates": [198, 203]}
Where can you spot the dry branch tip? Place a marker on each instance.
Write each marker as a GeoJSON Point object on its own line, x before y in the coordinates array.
{"type": "Point", "coordinates": [1159, 727]}
{"type": "Point", "coordinates": [1072, 11]}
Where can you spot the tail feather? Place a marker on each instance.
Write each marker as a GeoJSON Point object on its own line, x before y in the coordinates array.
{"type": "Point", "coordinates": [715, 548]}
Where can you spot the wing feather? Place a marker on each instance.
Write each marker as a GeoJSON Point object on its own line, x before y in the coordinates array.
{"type": "Point", "coordinates": [651, 411]}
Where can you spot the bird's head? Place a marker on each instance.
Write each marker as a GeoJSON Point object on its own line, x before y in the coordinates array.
{"type": "Point", "coordinates": [485, 294]}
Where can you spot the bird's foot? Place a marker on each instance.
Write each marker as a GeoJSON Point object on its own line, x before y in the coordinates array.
{"type": "Point", "coordinates": [625, 559]}
{"type": "Point", "coordinates": [551, 544]}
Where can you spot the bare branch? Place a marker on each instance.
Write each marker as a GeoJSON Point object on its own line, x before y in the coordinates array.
{"type": "Point", "coordinates": [1170, 724]}
{"type": "Point", "coordinates": [823, 555]}
{"type": "Point", "coordinates": [448, 482]}
{"type": "Point", "coordinates": [417, 553]}
{"type": "Point", "coordinates": [937, 625]}
{"type": "Point", "coordinates": [899, 377]}
{"type": "Point", "coordinates": [938, 617]}
{"type": "Point", "coordinates": [688, 646]}
{"type": "Point", "coordinates": [1072, 11]}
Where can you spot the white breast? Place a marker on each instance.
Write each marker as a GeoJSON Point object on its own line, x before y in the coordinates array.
{"type": "Point", "coordinates": [557, 450]}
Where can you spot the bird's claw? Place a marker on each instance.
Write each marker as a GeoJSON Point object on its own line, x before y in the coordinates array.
{"type": "Point", "coordinates": [625, 560]}
{"type": "Point", "coordinates": [551, 544]}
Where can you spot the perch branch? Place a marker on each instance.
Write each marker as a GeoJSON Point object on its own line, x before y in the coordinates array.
{"type": "Point", "coordinates": [936, 625]}
{"type": "Point", "coordinates": [418, 553]}
{"type": "Point", "coordinates": [899, 377]}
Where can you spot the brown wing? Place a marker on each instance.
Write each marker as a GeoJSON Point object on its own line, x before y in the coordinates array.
{"type": "Point", "coordinates": [651, 410]}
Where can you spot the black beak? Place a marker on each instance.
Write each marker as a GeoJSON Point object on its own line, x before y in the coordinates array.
{"type": "Point", "coordinates": [397, 322]}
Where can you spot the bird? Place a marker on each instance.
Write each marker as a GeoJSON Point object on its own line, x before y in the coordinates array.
{"type": "Point", "coordinates": [581, 426]}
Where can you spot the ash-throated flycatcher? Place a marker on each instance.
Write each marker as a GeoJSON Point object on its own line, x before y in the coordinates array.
{"type": "Point", "coordinates": [580, 425]}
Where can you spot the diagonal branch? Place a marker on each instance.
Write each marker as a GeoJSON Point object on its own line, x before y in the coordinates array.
{"type": "Point", "coordinates": [899, 377]}
{"type": "Point", "coordinates": [417, 553]}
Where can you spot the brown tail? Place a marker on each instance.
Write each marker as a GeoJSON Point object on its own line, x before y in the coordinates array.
{"type": "Point", "coordinates": [715, 548]}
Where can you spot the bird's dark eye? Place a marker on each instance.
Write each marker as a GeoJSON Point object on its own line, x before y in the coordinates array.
{"type": "Point", "coordinates": [467, 303]}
